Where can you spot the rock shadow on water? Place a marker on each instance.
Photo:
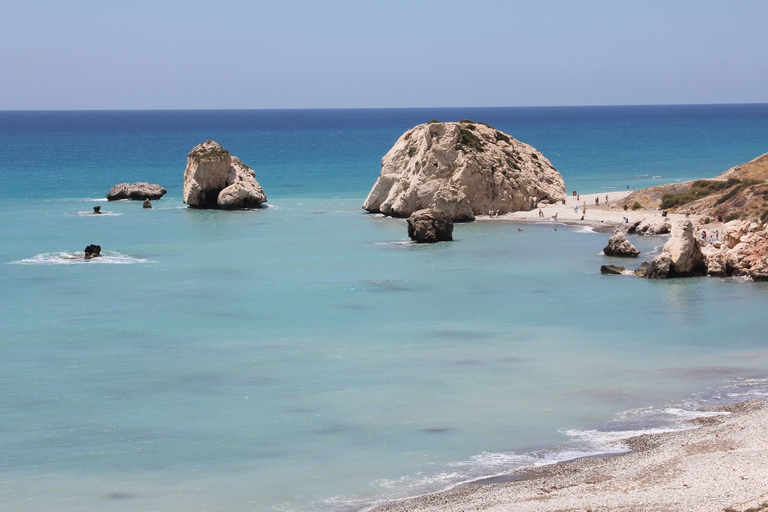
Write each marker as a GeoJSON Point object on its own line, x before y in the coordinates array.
{"type": "Point", "coordinates": [121, 496]}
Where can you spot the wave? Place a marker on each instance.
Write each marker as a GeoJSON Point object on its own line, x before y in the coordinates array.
{"type": "Point", "coordinates": [76, 258]}
{"type": "Point", "coordinates": [106, 214]}
{"type": "Point", "coordinates": [583, 229]}
{"type": "Point", "coordinates": [608, 439]}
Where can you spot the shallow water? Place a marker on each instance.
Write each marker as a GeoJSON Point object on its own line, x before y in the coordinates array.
{"type": "Point", "coordinates": [306, 356]}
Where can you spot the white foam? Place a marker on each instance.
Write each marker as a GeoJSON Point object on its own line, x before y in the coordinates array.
{"type": "Point", "coordinates": [583, 229]}
{"type": "Point", "coordinates": [106, 214]}
{"type": "Point", "coordinates": [70, 258]}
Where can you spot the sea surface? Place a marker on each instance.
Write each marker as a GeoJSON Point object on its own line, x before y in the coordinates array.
{"type": "Point", "coordinates": [306, 356]}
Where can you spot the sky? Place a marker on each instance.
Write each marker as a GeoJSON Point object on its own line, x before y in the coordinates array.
{"type": "Point", "coordinates": [230, 54]}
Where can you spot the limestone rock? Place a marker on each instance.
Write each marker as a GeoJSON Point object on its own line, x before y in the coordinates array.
{"type": "Point", "coordinates": [681, 256]}
{"type": "Point", "coordinates": [138, 191]}
{"type": "Point", "coordinates": [642, 270]}
{"type": "Point", "coordinates": [653, 226]}
{"type": "Point", "coordinates": [612, 269]}
{"type": "Point", "coordinates": [147, 204]}
{"type": "Point", "coordinates": [462, 169]}
{"type": "Point", "coordinates": [659, 267]}
{"type": "Point", "coordinates": [215, 179]}
{"type": "Point", "coordinates": [430, 225]}
{"type": "Point", "coordinates": [618, 245]}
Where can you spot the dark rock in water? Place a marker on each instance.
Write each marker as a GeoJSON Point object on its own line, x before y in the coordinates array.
{"type": "Point", "coordinates": [147, 204]}
{"type": "Point", "coordinates": [620, 246]}
{"type": "Point", "coordinates": [97, 209]}
{"type": "Point", "coordinates": [611, 269]}
{"type": "Point", "coordinates": [92, 251]}
{"type": "Point", "coordinates": [430, 225]}
{"type": "Point", "coordinates": [137, 191]}
{"type": "Point", "coordinates": [642, 270]}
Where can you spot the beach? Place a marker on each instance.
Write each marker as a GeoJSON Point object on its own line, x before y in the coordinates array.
{"type": "Point", "coordinates": [602, 216]}
{"type": "Point", "coordinates": [719, 465]}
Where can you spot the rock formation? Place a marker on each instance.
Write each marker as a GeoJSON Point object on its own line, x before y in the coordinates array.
{"type": "Point", "coordinates": [655, 225]}
{"type": "Point", "coordinates": [612, 269]}
{"type": "Point", "coordinates": [461, 169]}
{"type": "Point", "coordinates": [620, 246]}
{"type": "Point", "coordinates": [742, 252]}
{"type": "Point", "coordinates": [681, 256]}
{"type": "Point", "coordinates": [430, 225]}
{"type": "Point", "coordinates": [215, 179]}
{"type": "Point", "coordinates": [138, 191]}
{"type": "Point", "coordinates": [147, 204]}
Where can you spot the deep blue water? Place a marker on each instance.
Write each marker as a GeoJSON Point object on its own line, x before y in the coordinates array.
{"type": "Point", "coordinates": [306, 356]}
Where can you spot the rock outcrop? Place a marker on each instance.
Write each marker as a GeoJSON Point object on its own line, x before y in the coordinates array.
{"type": "Point", "coordinates": [654, 225]}
{"type": "Point", "coordinates": [430, 225]}
{"type": "Point", "coordinates": [215, 179]}
{"type": "Point", "coordinates": [681, 256]}
{"type": "Point", "coordinates": [743, 252]}
{"type": "Point", "coordinates": [137, 191]}
{"type": "Point", "coordinates": [462, 169]}
{"type": "Point", "coordinates": [612, 269]}
{"type": "Point", "coordinates": [618, 245]}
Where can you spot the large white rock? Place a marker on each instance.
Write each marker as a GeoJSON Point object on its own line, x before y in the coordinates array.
{"type": "Point", "coordinates": [215, 179]}
{"type": "Point", "coordinates": [680, 256]}
{"type": "Point", "coordinates": [462, 169]}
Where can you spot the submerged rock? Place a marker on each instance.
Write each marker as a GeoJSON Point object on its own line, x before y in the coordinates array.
{"type": "Point", "coordinates": [137, 191]}
{"type": "Point", "coordinates": [215, 179]}
{"type": "Point", "coordinates": [462, 169]}
{"type": "Point", "coordinates": [612, 269]}
{"type": "Point", "coordinates": [429, 226]}
{"type": "Point", "coordinates": [618, 245]}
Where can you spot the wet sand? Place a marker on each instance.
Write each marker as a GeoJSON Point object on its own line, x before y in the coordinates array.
{"type": "Point", "coordinates": [719, 465]}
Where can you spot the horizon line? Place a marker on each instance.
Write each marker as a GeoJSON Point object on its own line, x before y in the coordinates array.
{"type": "Point", "coordinates": [379, 108]}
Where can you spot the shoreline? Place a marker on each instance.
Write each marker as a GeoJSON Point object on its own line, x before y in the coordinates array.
{"type": "Point", "coordinates": [717, 465]}
{"type": "Point", "coordinates": [601, 218]}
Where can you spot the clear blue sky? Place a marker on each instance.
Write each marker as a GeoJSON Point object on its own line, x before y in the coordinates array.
{"type": "Point", "coordinates": [103, 54]}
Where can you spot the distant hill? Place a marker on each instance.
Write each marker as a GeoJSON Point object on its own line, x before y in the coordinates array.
{"type": "Point", "coordinates": [739, 193]}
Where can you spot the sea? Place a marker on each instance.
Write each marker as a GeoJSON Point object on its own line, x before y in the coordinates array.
{"type": "Point", "coordinates": [306, 356]}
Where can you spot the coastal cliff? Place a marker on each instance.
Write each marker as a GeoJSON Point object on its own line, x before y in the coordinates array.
{"type": "Point", "coordinates": [215, 179]}
{"type": "Point", "coordinates": [462, 169]}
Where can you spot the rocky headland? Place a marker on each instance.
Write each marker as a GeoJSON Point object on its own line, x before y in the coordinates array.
{"type": "Point", "coordinates": [136, 191]}
{"type": "Point", "coordinates": [215, 179]}
{"type": "Point", "coordinates": [462, 169]}
{"type": "Point", "coordinates": [741, 192]}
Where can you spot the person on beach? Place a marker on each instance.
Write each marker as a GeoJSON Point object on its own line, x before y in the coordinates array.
{"type": "Point", "coordinates": [541, 213]}
{"type": "Point", "coordinates": [606, 199]}
{"type": "Point", "coordinates": [597, 201]}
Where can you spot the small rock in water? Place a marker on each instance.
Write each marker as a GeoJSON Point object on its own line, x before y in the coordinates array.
{"type": "Point", "coordinates": [611, 269]}
{"type": "Point", "coordinates": [147, 204]}
{"type": "Point", "coordinates": [92, 251]}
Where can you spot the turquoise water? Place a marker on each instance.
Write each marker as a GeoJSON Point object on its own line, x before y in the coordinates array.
{"type": "Point", "coordinates": [306, 356]}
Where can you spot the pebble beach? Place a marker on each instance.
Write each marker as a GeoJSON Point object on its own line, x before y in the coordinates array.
{"type": "Point", "coordinates": [717, 465]}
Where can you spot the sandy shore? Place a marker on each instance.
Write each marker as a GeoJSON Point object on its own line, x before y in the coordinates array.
{"type": "Point", "coordinates": [721, 465]}
{"type": "Point", "coordinates": [596, 216]}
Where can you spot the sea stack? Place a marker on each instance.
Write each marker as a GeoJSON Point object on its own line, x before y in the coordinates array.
{"type": "Point", "coordinates": [462, 169]}
{"type": "Point", "coordinates": [215, 179]}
